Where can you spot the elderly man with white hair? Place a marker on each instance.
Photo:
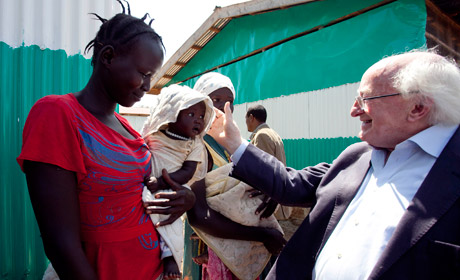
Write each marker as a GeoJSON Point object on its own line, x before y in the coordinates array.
{"type": "Point", "coordinates": [388, 207]}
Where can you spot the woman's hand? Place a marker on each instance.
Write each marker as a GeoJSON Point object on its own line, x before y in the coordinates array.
{"type": "Point", "coordinates": [176, 202]}
{"type": "Point", "coordinates": [268, 205]}
{"type": "Point", "coordinates": [273, 240]}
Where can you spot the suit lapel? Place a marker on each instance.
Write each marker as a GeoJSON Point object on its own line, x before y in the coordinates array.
{"type": "Point", "coordinates": [349, 183]}
{"type": "Point", "coordinates": [435, 197]}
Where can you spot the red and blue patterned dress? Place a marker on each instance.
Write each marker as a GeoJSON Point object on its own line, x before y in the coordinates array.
{"type": "Point", "coordinates": [119, 239]}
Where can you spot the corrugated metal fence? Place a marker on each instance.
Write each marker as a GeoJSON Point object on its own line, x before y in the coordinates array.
{"type": "Point", "coordinates": [40, 54]}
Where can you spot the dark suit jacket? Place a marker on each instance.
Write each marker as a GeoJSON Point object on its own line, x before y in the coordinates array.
{"type": "Point", "coordinates": [426, 242]}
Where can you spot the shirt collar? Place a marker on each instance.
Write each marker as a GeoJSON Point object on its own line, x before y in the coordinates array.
{"type": "Point", "coordinates": [433, 139]}
{"type": "Point", "coordinates": [257, 128]}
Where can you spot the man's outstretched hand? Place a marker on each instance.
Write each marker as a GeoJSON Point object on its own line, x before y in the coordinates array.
{"type": "Point", "coordinates": [225, 131]}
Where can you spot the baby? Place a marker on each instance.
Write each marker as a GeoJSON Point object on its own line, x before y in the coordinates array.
{"type": "Point", "coordinates": [174, 133]}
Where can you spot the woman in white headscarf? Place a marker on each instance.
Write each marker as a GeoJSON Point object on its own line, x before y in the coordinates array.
{"type": "Point", "coordinates": [224, 213]}
{"type": "Point", "coordinates": [220, 89]}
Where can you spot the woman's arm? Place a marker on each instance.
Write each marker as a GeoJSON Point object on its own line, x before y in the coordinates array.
{"type": "Point", "coordinates": [53, 193]}
{"type": "Point", "coordinates": [212, 222]}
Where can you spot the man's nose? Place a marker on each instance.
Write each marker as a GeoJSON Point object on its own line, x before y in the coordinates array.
{"type": "Point", "coordinates": [356, 110]}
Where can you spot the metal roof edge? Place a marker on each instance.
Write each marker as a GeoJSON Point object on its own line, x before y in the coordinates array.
{"type": "Point", "coordinates": [230, 12]}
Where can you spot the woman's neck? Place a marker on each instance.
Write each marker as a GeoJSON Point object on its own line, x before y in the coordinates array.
{"type": "Point", "coordinates": [95, 99]}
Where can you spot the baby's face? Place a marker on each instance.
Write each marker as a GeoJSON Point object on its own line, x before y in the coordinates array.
{"type": "Point", "coordinates": [190, 121]}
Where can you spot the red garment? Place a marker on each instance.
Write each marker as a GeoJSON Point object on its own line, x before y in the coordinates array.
{"type": "Point", "coordinates": [119, 238]}
{"type": "Point", "coordinates": [215, 269]}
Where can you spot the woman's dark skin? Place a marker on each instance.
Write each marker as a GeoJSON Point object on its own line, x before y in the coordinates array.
{"type": "Point", "coordinates": [53, 192]}
{"type": "Point", "coordinates": [212, 222]}
{"type": "Point", "coordinates": [117, 79]}
{"type": "Point", "coordinates": [180, 200]}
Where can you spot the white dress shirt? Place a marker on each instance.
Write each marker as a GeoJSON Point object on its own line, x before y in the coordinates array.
{"type": "Point", "coordinates": [367, 225]}
{"type": "Point", "coordinates": [239, 152]}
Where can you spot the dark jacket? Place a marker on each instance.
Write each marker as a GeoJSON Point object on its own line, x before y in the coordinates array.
{"type": "Point", "coordinates": [425, 243]}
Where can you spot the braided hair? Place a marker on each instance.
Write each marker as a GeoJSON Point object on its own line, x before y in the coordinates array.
{"type": "Point", "coordinates": [121, 32]}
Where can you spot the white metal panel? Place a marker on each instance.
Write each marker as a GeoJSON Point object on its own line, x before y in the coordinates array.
{"type": "Point", "coordinates": [136, 121]}
{"type": "Point", "coordinates": [322, 113]}
{"type": "Point", "coordinates": [46, 23]}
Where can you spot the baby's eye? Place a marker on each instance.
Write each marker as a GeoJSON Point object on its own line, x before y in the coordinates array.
{"type": "Point", "coordinates": [201, 116]}
{"type": "Point", "coordinates": [190, 114]}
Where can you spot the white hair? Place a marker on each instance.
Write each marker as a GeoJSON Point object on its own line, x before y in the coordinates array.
{"type": "Point", "coordinates": [435, 78]}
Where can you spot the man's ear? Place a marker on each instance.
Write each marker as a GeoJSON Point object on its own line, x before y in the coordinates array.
{"type": "Point", "coordinates": [420, 110]}
{"type": "Point", "coordinates": [107, 55]}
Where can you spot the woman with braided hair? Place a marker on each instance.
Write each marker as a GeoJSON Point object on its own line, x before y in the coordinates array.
{"type": "Point", "coordinates": [86, 166]}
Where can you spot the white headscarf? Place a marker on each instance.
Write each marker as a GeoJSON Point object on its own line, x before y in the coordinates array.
{"type": "Point", "coordinates": [213, 81]}
{"type": "Point", "coordinates": [170, 102]}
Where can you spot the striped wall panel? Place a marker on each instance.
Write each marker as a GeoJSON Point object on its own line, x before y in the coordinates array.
{"type": "Point", "coordinates": [321, 113]}
{"type": "Point", "coordinates": [41, 53]}
{"type": "Point", "coordinates": [315, 126]}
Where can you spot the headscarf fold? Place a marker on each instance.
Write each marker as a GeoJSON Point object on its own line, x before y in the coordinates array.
{"type": "Point", "coordinates": [213, 81]}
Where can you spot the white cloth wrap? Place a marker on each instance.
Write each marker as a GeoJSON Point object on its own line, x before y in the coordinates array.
{"type": "Point", "coordinates": [230, 197]}
{"type": "Point", "coordinates": [213, 81]}
{"type": "Point", "coordinates": [172, 234]}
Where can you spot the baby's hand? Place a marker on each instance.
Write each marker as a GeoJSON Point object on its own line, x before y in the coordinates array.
{"type": "Point", "coordinates": [152, 184]}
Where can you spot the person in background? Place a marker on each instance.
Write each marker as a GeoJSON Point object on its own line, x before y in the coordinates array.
{"type": "Point", "coordinates": [85, 165]}
{"type": "Point", "coordinates": [262, 136]}
{"type": "Point", "coordinates": [174, 133]}
{"type": "Point", "coordinates": [388, 207]}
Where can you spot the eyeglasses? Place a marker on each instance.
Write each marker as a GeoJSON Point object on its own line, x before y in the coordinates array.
{"type": "Point", "coordinates": [361, 100]}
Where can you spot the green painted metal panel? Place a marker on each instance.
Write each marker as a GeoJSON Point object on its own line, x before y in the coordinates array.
{"type": "Point", "coordinates": [333, 56]}
{"type": "Point", "coordinates": [307, 152]}
{"type": "Point", "coordinates": [26, 74]}
{"type": "Point", "coordinates": [251, 32]}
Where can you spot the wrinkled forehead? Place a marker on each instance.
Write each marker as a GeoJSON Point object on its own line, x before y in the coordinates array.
{"type": "Point", "coordinates": [377, 80]}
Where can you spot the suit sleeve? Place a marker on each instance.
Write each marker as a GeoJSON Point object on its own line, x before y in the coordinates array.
{"type": "Point", "coordinates": [285, 185]}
